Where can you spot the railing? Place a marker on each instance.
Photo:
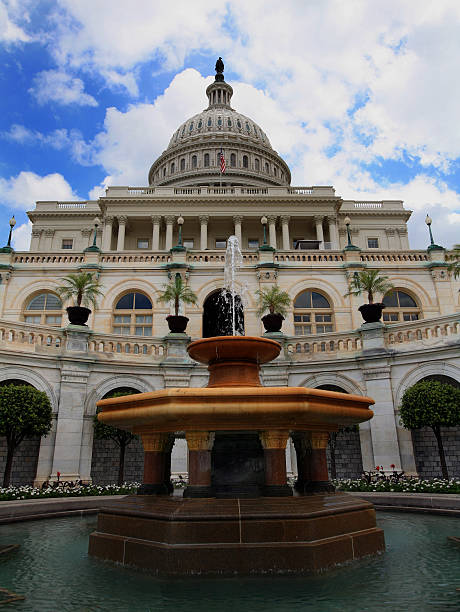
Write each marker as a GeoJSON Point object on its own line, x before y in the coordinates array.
{"type": "Point", "coordinates": [425, 331]}
{"type": "Point", "coordinates": [37, 258]}
{"type": "Point", "coordinates": [135, 257]}
{"type": "Point", "coordinates": [118, 192]}
{"type": "Point", "coordinates": [368, 204]}
{"type": "Point", "coordinates": [128, 346]}
{"type": "Point", "coordinates": [71, 205]}
{"type": "Point", "coordinates": [27, 336]}
{"type": "Point", "coordinates": [393, 256]}
{"type": "Point", "coordinates": [298, 347]}
{"type": "Point", "coordinates": [309, 256]}
{"type": "Point", "coordinates": [197, 257]}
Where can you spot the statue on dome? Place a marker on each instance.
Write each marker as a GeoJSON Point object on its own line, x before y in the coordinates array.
{"type": "Point", "coordinates": [219, 70]}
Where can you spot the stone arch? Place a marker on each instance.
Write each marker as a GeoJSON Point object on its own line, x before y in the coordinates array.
{"type": "Point", "coordinates": [415, 290]}
{"type": "Point", "coordinates": [216, 284]}
{"type": "Point", "coordinates": [23, 295]}
{"type": "Point", "coordinates": [331, 378]}
{"type": "Point", "coordinates": [314, 283]}
{"type": "Point", "coordinates": [32, 377]}
{"type": "Point", "coordinates": [127, 286]}
{"type": "Point", "coordinates": [114, 382]}
{"type": "Point", "coordinates": [434, 368]}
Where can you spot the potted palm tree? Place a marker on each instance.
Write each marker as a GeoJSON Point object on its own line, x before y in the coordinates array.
{"type": "Point", "coordinates": [277, 303]}
{"type": "Point", "coordinates": [84, 288]}
{"type": "Point", "coordinates": [370, 282]}
{"type": "Point", "coordinates": [175, 292]}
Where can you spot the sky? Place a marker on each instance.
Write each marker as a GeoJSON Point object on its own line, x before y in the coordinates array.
{"type": "Point", "coordinates": [360, 95]}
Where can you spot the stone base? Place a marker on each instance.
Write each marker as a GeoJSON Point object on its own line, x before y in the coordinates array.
{"type": "Point", "coordinates": [295, 535]}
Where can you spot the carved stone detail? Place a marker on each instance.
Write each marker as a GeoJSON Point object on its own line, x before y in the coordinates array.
{"type": "Point", "coordinates": [204, 219]}
{"type": "Point", "coordinates": [274, 439]}
{"type": "Point", "coordinates": [155, 441]}
{"type": "Point", "coordinates": [200, 440]}
{"type": "Point", "coordinates": [122, 220]}
{"type": "Point", "coordinates": [319, 439]}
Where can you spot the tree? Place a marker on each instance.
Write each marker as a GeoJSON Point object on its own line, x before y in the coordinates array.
{"type": "Point", "coordinates": [434, 404]}
{"type": "Point", "coordinates": [24, 412]}
{"type": "Point", "coordinates": [121, 437]}
{"type": "Point", "coordinates": [83, 287]}
{"type": "Point", "coordinates": [370, 282]}
{"type": "Point", "coordinates": [454, 259]}
{"type": "Point", "coordinates": [274, 300]}
{"type": "Point", "coordinates": [176, 291]}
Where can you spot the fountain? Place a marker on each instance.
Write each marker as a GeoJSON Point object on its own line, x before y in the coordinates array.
{"type": "Point", "coordinates": [238, 514]}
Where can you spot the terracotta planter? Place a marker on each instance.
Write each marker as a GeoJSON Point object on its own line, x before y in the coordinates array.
{"type": "Point", "coordinates": [272, 322]}
{"type": "Point", "coordinates": [78, 315]}
{"type": "Point", "coordinates": [371, 313]}
{"type": "Point", "coordinates": [177, 323]}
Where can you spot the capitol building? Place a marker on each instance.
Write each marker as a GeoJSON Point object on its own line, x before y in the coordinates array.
{"type": "Point", "coordinates": [293, 236]}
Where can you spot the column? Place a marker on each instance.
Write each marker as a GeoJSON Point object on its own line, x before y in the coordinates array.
{"type": "Point", "coordinates": [319, 231]}
{"type": "Point", "coordinates": [237, 220]}
{"type": "Point", "coordinates": [274, 445]}
{"type": "Point", "coordinates": [199, 463]}
{"type": "Point", "coordinates": [302, 446]}
{"type": "Point", "coordinates": [272, 230]}
{"type": "Point", "coordinates": [169, 231]}
{"type": "Point", "coordinates": [107, 233]}
{"type": "Point", "coordinates": [333, 232]}
{"type": "Point", "coordinates": [49, 233]}
{"type": "Point", "coordinates": [35, 240]}
{"type": "Point", "coordinates": [319, 477]}
{"type": "Point", "coordinates": [285, 228]}
{"type": "Point", "coordinates": [155, 446]}
{"type": "Point", "coordinates": [122, 220]}
{"type": "Point", "coordinates": [156, 220]}
{"type": "Point", "coordinates": [204, 219]}
{"type": "Point", "coordinates": [390, 232]}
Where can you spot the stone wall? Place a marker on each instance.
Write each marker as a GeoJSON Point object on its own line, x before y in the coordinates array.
{"type": "Point", "coordinates": [105, 459]}
{"type": "Point", "coordinates": [24, 461]}
{"type": "Point", "coordinates": [427, 454]}
{"type": "Point", "coordinates": [348, 458]}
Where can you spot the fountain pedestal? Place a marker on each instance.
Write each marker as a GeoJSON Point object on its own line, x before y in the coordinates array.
{"type": "Point", "coordinates": [259, 527]}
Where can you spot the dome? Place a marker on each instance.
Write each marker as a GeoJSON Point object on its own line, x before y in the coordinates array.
{"type": "Point", "coordinates": [193, 156]}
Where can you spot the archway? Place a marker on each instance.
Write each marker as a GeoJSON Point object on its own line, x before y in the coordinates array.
{"type": "Point", "coordinates": [425, 447]}
{"type": "Point", "coordinates": [218, 315]}
{"type": "Point", "coordinates": [344, 449]}
{"type": "Point", "coordinates": [106, 454]}
{"type": "Point", "coordinates": [25, 459]}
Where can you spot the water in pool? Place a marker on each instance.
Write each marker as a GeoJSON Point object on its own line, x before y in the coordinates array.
{"type": "Point", "coordinates": [419, 571]}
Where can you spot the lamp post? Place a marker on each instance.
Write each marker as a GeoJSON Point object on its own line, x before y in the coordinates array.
{"type": "Point", "coordinates": [179, 246]}
{"type": "Point", "coordinates": [265, 246]}
{"type": "Point", "coordinates": [350, 246]}
{"type": "Point", "coordinates": [8, 248]}
{"type": "Point", "coordinates": [94, 248]}
{"type": "Point", "coordinates": [433, 246]}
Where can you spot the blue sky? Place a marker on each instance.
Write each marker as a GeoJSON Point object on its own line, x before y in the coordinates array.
{"type": "Point", "coordinates": [360, 95]}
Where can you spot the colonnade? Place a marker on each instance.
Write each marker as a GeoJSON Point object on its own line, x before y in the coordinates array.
{"type": "Point", "coordinates": [238, 221]}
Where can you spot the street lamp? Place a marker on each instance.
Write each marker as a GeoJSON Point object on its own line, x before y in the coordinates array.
{"type": "Point", "coordinates": [433, 246]}
{"type": "Point", "coordinates": [8, 248]}
{"type": "Point", "coordinates": [350, 246]}
{"type": "Point", "coordinates": [264, 222]}
{"type": "Point", "coordinates": [179, 246]}
{"type": "Point", "coordinates": [97, 222]}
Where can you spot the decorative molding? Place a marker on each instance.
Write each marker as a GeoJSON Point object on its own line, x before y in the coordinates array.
{"type": "Point", "coordinates": [237, 219]}
{"type": "Point", "coordinates": [170, 219]}
{"type": "Point", "coordinates": [155, 442]}
{"type": "Point", "coordinates": [319, 440]}
{"type": "Point", "coordinates": [274, 439]}
{"type": "Point", "coordinates": [122, 220]}
{"type": "Point", "coordinates": [285, 219]}
{"type": "Point", "coordinates": [200, 440]}
{"type": "Point", "coordinates": [204, 219]}
{"type": "Point", "coordinates": [156, 219]}
{"type": "Point", "coordinates": [376, 373]}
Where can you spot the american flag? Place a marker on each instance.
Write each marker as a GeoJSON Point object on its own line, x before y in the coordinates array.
{"type": "Point", "coordinates": [222, 162]}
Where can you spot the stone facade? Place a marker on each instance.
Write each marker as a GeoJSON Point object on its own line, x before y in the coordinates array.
{"type": "Point", "coordinates": [24, 462]}
{"type": "Point", "coordinates": [427, 454]}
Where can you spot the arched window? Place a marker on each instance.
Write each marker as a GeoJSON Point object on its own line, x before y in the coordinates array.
{"type": "Point", "coordinates": [267, 168]}
{"type": "Point", "coordinates": [245, 161]}
{"type": "Point", "coordinates": [172, 167]}
{"type": "Point", "coordinates": [200, 124]}
{"type": "Point", "coordinates": [400, 306]}
{"type": "Point", "coordinates": [164, 171]}
{"type": "Point", "coordinates": [312, 314]}
{"type": "Point", "coordinates": [182, 163]}
{"type": "Point", "coordinates": [257, 164]}
{"type": "Point", "coordinates": [44, 309]}
{"type": "Point", "coordinates": [194, 161]}
{"type": "Point", "coordinates": [133, 315]}
{"type": "Point", "coordinates": [233, 160]}
{"type": "Point", "coordinates": [275, 171]}
{"type": "Point", "coordinates": [206, 160]}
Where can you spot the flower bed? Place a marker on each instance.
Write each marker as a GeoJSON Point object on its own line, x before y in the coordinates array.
{"type": "Point", "coordinates": [65, 490]}
{"type": "Point", "coordinates": [388, 484]}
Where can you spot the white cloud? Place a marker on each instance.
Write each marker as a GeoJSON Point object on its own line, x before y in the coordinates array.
{"type": "Point", "coordinates": [23, 190]}
{"type": "Point", "coordinates": [21, 237]}
{"type": "Point", "coordinates": [57, 86]}
{"type": "Point", "coordinates": [10, 32]}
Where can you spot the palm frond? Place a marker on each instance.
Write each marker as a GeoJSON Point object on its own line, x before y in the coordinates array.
{"type": "Point", "coordinates": [370, 282]}
{"type": "Point", "coordinates": [83, 287]}
{"type": "Point", "coordinates": [274, 300]}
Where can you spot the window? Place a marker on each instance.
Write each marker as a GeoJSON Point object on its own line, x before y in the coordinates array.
{"type": "Point", "coordinates": [257, 164]}
{"type": "Point", "coordinates": [67, 243]}
{"type": "Point", "coordinates": [191, 126]}
{"type": "Point", "coordinates": [209, 122]}
{"type": "Point", "coordinates": [233, 160]}
{"type": "Point", "coordinates": [206, 160]}
{"type": "Point", "coordinates": [194, 161]}
{"type": "Point", "coordinates": [372, 243]}
{"type": "Point", "coordinates": [133, 315]}
{"type": "Point", "coordinates": [164, 171]}
{"type": "Point", "coordinates": [238, 123]}
{"type": "Point", "coordinates": [188, 243]}
{"type": "Point", "coordinates": [172, 168]}
{"type": "Point", "coordinates": [229, 122]}
{"type": "Point", "coordinates": [400, 306]}
{"type": "Point", "coordinates": [312, 314]}
{"type": "Point", "coordinates": [221, 243]}
{"type": "Point", "coordinates": [245, 161]}
{"type": "Point", "coordinates": [44, 309]}
{"type": "Point", "coordinates": [253, 243]}
{"type": "Point", "coordinates": [275, 171]}
{"type": "Point", "coordinates": [142, 243]}
{"type": "Point", "coordinates": [219, 121]}
{"type": "Point", "coordinates": [267, 168]}
{"type": "Point", "coordinates": [200, 124]}
{"type": "Point", "coordinates": [182, 163]}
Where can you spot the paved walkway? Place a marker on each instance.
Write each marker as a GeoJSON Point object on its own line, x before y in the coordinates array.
{"type": "Point", "coordinates": [31, 509]}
